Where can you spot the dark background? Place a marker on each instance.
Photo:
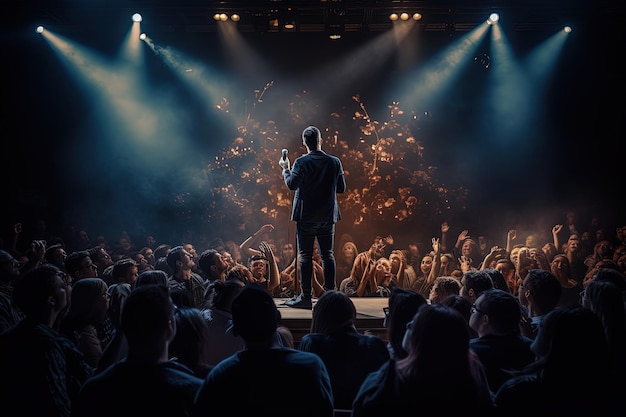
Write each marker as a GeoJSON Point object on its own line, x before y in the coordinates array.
{"type": "Point", "coordinates": [56, 165]}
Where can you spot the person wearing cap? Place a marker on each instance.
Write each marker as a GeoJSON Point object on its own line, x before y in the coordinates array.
{"type": "Point", "coordinates": [265, 375]}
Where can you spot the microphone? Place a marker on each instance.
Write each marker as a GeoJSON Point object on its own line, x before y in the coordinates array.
{"type": "Point", "coordinates": [285, 154]}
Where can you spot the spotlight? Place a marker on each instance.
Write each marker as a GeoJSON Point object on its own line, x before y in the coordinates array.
{"type": "Point", "coordinates": [334, 34]}
{"type": "Point", "coordinates": [417, 16]}
{"type": "Point", "coordinates": [143, 36]}
{"type": "Point", "coordinates": [289, 19]}
{"type": "Point", "coordinates": [404, 16]}
{"type": "Point", "coordinates": [137, 18]}
{"type": "Point", "coordinates": [393, 17]}
{"type": "Point", "coordinates": [335, 23]}
{"type": "Point", "coordinates": [493, 18]}
{"type": "Point", "coordinates": [39, 29]}
{"type": "Point", "coordinates": [567, 29]}
{"type": "Point", "coordinates": [235, 17]}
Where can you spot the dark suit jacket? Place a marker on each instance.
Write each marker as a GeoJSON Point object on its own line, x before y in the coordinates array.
{"type": "Point", "coordinates": [316, 177]}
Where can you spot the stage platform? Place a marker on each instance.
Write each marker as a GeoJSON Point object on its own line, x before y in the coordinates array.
{"type": "Point", "coordinates": [369, 311]}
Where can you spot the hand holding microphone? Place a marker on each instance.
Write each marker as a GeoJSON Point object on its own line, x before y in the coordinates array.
{"type": "Point", "coordinates": [284, 161]}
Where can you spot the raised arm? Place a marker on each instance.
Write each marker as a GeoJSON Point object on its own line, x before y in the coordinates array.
{"type": "Point", "coordinates": [274, 274]}
{"type": "Point", "coordinates": [556, 229]}
{"type": "Point", "coordinates": [434, 270]}
{"type": "Point", "coordinates": [510, 237]}
{"type": "Point", "coordinates": [246, 246]}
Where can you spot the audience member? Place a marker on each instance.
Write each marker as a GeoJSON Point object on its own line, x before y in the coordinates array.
{"type": "Point", "coordinates": [497, 278]}
{"type": "Point", "coordinates": [429, 270]}
{"type": "Point", "coordinates": [190, 345]}
{"type": "Point", "coordinates": [571, 351]}
{"type": "Point", "coordinates": [264, 268]}
{"type": "Point", "coordinates": [183, 278]}
{"type": "Point", "coordinates": [475, 282]}
{"type": "Point", "coordinates": [103, 260]}
{"type": "Point", "coordinates": [507, 269]}
{"type": "Point", "coordinates": [79, 265]}
{"type": "Point", "coordinates": [606, 300]}
{"type": "Point", "coordinates": [88, 309]}
{"type": "Point", "coordinates": [443, 287]}
{"type": "Point", "coordinates": [140, 260]}
{"type": "Point", "coordinates": [212, 265]}
{"type": "Point", "coordinates": [10, 314]}
{"type": "Point", "coordinates": [248, 382]}
{"type": "Point", "coordinates": [464, 306]}
{"type": "Point", "coordinates": [364, 266]}
{"type": "Point", "coordinates": [403, 304]}
{"type": "Point", "coordinates": [160, 258]}
{"type": "Point", "coordinates": [148, 254]}
{"type": "Point", "coordinates": [348, 355]}
{"type": "Point", "coordinates": [439, 373]}
{"type": "Point", "coordinates": [466, 251]}
{"type": "Point", "coordinates": [240, 272]}
{"type": "Point", "coordinates": [404, 275]}
{"type": "Point", "coordinates": [345, 261]}
{"type": "Point", "coordinates": [145, 382]}
{"type": "Point", "coordinates": [217, 313]}
{"type": "Point", "coordinates": [287, 256]}
{"type": "Point", "coordinates": [55, 255]}
{"type": "Point", "coordinates": [43, 370]}
{"type": "Point", "coordinates": [150, 276]}
{"type": "Point", "coordinates": [538, 294]}
{"type": "Point", "coordinates": [500, 347]}
{"type": "Point", "coordinates": [570, 288]}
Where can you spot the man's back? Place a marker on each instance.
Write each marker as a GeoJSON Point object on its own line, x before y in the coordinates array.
{"type": "Point", "coordinates": [262, 381]}
{"type": "Point", "coordinates": [349, 357]}
{"type": "Point", "coordinates": [502, 353]}
{"type": "Point", "coordinates": [317, 177]}
{"type": "Point", "coordinates": [135, 388]}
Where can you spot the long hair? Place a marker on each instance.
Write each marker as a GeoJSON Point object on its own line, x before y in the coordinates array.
{"type": "Point", "coordinates": [192, 336]}
{"type": "Point", "coordinates": [440, 363]}
{"type": "Point", "coordinates": [334, 310]}
{"type": "Point", "coordinates": [403, 304]}
{"type": "Point", "coordinates": [606, 301]}
{"type": "Point", "coordinates": [437, 345]}
{"type": "Point", "coordinates": [83, 310]}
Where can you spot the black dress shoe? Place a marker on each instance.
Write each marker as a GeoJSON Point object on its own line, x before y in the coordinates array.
{"type": "Point", "coordinates": [301, 301]}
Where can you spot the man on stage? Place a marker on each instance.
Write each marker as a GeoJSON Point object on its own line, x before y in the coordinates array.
{"type": "Point", "coordinates": [317, 178]}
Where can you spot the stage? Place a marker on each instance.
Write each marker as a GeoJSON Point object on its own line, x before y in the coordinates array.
{"type": "Point", "coordinates": [369, 316]}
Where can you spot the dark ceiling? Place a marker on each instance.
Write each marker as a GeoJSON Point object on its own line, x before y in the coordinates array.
{"type": "Point", "coordinates": [315, 15]}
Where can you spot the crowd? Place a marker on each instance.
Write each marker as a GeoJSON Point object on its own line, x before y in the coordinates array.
{"type": "Point", "coordinates": [529, 326]}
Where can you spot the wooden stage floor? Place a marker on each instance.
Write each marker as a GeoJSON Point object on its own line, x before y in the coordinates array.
{"type": "Point", "coordinates": [369, 319]}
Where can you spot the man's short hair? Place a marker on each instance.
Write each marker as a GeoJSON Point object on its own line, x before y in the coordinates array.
{"type": "Point", "coordinates": [146, 314]}
{"type": "Point", "coordinates": [173, 256]}
{"type": "Point", "coordinates": [255, 316]}
{"type": "Point", "coordinates": [207, 259]}
{"type": "Point", "coordinates": [311, 136]}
